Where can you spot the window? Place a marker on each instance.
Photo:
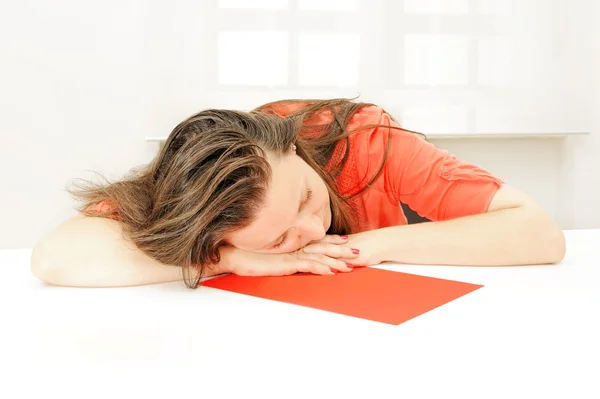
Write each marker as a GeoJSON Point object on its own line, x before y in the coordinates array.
{"type": "Point", "coordinates": [440, 66]}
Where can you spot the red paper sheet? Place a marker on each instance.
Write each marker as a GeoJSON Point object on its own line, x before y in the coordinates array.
{"type": "Point", "coordinates": [369, 293]}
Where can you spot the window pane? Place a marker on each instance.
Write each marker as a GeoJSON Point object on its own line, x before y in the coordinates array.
{"type": "Point", "coordinates": [437, 6]}
{"type": "Point", "coordinates": [436, 59]}
{"type": "Point", "coordinates": [436, 119]}
{"type": "Point", "coordinates": [496, 7]}
{"type": "Point", "coordinates": [253, 58]}
{"type": "Point", "coordinates": [496, 61]}
{"type": "Point", "coordinates": [327, 59]}
{"type": "Point", "coordinates": [338, 5]}
{"type": "Point", "coordinates": [270, 4]}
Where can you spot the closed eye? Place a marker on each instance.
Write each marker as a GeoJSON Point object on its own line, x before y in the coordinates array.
{"type": "Point", "coordinates": [307, 200]}
{"type": "Point", "coordinates": [280, 243]}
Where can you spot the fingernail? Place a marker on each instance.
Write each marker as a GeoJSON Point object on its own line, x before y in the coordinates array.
{"type": "Point", "coordinates": [333, 270]}
{"type": "Point", "coordinates": [344, 237]}
{"type": "Point", "coordinates": [355, 251]}
{"type": "Point", "coordinates": [349, 265]}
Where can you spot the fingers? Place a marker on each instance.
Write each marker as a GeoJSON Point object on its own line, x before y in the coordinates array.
{"type": "Point", "coordinates": [335, 265]}
{"type": "Point", "coordinates": [312, 266]}
{"type": "Point", "coordinates": [353, 264]}
{"type": "Point", "coordinates": [320, 264]}
{"type": "Point", "coordinates": [331, 250]}
{"type": "Point", "coordinates": [332, 239]}
{"type": "Point", "coordinates": [260, 264]}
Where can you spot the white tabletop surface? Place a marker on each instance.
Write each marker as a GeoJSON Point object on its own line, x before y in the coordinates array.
{"type": "Point", "coordinates": [530, 332]}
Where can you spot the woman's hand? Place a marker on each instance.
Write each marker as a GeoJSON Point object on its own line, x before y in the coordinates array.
{"type": "Point", "coordinates": [370, 245]}
{"type": "Point", "coordinates": [326, 257]}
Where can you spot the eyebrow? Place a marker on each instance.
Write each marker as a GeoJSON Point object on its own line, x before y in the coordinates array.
{"type": "Point", "coordinates": [301, 204]}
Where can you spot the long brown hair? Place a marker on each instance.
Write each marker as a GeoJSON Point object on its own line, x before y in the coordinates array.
{"type": "Point", "coordinates": [210, 178]}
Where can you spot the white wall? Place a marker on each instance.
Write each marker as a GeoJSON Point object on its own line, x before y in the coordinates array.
{"type": "Point", "coordinates": [74, 96]}
{"type": "Point", "coordinates": [563, 175]}
{"type": "Point", "coordinates": [72, 99]}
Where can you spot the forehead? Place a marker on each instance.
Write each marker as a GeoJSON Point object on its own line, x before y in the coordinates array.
{"type": "Point", "coordinates": [280, 208]}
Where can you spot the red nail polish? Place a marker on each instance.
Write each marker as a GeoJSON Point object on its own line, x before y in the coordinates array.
{"type": "Point", "coordinates": [344, 237]}
{"type": "Point", "coordinates": [333, 270]}
{"type": "Point", "coordinates": [355, 251]}
{"type": "Point", "coordinates": [349, 265]}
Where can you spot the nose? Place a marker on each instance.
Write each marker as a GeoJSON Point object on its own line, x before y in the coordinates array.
{"type": "Point", "coordinates": [310, 228]}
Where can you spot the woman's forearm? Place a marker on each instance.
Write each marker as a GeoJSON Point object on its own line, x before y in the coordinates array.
{"type": "Point", "coordinates": [92, 252]}
{"type": "Point", "coordinates": [515, 236]}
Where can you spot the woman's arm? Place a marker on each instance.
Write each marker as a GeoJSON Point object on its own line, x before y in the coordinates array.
{"type": "Point", "coordinates": [476, 219]}
{"type": "Point", "coordinates": [514, 231]}
{"type": "Point", "coordinates": [92, 252]}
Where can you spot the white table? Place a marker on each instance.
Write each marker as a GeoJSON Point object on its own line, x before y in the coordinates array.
{"type": "Point", "coordinates": [531, 332]}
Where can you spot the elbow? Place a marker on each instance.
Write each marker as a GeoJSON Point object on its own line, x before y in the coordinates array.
{"type": "Point", "coordinates": [550, 240]}
{"type": "Point", "coordinates": [556, 246]}
{"type": "Point", "coordinates": [42, 266]}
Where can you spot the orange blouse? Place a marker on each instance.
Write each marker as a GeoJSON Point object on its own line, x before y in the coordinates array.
{"type": "Point", "coordinates": [431, 181]}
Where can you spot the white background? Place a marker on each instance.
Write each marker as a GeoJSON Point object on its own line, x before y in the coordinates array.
{"type": "Point", "coordinates": [530, 332]}
{"type": "Point", "coordinates": [83, 83]}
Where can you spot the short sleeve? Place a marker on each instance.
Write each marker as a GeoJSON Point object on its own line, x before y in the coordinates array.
{"type": "Point", "coordinates": [105, 207]}
{"type": "Point", "coordinates": [432, 182]}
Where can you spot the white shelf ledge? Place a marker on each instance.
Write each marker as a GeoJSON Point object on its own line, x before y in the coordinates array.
{"type": "Point", "coordinates": [500, 135]}
{"type": "Point", "coordinates": [480, 135]}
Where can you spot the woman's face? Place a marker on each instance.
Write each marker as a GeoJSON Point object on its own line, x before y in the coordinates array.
{"type": "Point", "coordinates": [295, 213]}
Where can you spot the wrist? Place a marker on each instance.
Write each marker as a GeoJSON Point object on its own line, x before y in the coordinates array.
{"type": "Point", "coordinates": [226, 260]}
{"type": "Point", "coordinates": [388, 245]}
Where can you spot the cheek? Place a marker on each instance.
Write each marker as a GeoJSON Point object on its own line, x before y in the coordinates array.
{"type": "Point", "coordinates": [320, 193]}
{"type": "Point", "coordinates": [323, 195]}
